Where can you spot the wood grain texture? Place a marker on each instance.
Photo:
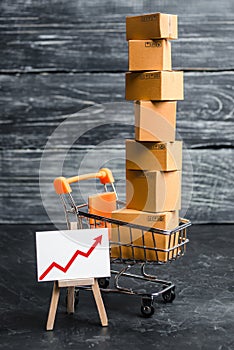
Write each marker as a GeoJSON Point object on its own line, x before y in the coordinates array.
{"type": "Point", "coordinates": [33, 106]}
{"type": "Point", "coordinates": [75, 48]}
{"type": "Point", "coordinates": [82, 45]}
{"type": "Point", "coordinates": [90, 36]}
{"type": "Point", "coordinates": [211, 178]}
{"type": "Point", "coordinates": [78, 8]}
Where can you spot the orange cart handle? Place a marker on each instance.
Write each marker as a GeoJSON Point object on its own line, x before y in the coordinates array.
{"type": "Point", "coordinates": [62, 184]}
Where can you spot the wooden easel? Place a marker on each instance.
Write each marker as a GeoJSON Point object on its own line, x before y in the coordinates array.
{"type": "Point", "coordinates": [71, 284]}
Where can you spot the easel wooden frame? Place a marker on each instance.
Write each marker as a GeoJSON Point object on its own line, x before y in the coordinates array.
{"type": "Point", "coordinates": [71, 284]}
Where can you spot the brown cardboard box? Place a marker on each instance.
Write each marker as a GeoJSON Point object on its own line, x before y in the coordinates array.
{"type": "Point", "coordinates": [154, 85]}
{"type": "Point", "coordinates": [163, 156]}
{"type": "Point", "coordinates": [122, 234]}
{"type": "Point", "coordinates": [155, 121]}
{"type": "Point", "coordinates": [152, 26]}
{"type": "Point", "coordinates": [101, 204]}
{"type": "Point", "coordinates": [154, 191]}
{"type": "Point", "coordinates": [149, 55]}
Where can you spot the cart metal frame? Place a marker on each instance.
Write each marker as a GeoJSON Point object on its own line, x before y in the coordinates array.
{"type": "Point", "coordinates": [176, 245]}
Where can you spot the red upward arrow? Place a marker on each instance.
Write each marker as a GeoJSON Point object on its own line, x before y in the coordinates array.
{"type": "Point", "coordinates": [98, 240]}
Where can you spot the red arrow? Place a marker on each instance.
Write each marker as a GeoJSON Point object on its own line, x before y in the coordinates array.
{"type": "Point", "coordinates": [98, 240]}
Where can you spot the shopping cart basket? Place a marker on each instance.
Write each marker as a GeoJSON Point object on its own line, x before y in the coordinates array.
{"type": "Point", "coordinates": [133, 252]}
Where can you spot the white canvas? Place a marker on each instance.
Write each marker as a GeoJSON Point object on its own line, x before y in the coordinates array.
{"type": "Point", "coordinates": [86, 250]}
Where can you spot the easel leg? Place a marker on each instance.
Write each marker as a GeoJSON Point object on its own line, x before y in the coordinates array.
{"type": "Point", "coordinates": [53, 307]}
{"type": "Point", "coordinates": [99, 302]}
{"type": "Point", "coordinates": [70, 300]}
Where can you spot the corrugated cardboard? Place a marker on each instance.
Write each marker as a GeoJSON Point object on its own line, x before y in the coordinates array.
{"type": "Point", "coordinates": [152, 26]}
{"type": "Point", "coordinates": [149, 55]}
{"type": "Point", "coordinates": [164, 156]}
{"type": "Point", "coordinates": [163, 221]}
{"type": "Point", "coordinates": [155, 85]}
{"type": "Point", "coordinates": [154, 191]}
{"type": "Point", "coordinates": [155, 121]}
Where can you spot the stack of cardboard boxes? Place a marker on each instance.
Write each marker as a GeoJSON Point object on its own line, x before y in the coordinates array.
{"type": "Point", "coordinates": [154, 158]}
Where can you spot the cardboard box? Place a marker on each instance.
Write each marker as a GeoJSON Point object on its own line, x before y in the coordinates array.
{"type": "Point", "coordinates": [137, 237]}
{"type": "Point", "coordinates": [101, 204]}
{"type": "Point", "coordinates": [163, 156]}
{"type": "Point", "coordinates": [154, 191]}
{"type": "Point", "coordinates": [152, 26]}
{"type": "Point", "coordinates": [155, 121]}
{"type": "Point", "coordinates": [149, 55]}
{"type": "Point", "coordinates": [155, 85]}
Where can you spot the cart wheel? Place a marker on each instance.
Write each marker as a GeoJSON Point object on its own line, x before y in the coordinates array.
{"type": "Point", "coordinates": [147, 308]}
{"type": "Point", "coordinates": [104, 282]}
{"type": "Point", "coordinates": [169, 295]}
{"type": "Point", "coordinates": [147, 311]}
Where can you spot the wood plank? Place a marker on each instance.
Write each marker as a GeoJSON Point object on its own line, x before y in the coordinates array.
{"type": "Point", "coordinates": [212, 181]}
{"type": "Point", "coordinates": [70, 300]}
{"type": "Point", "coordinates": [61, 43]}
{"type": "Point", "coordinates": [53, 307]}
{"type": "Point", "coordinates": [34, 105]}
{"type": "Point", "coordinates": [90, 36]}
{"type": "Point", "coordinates": [99, 302]}
{"type": "Point", "coordinates": [77, 9]}
{"type": "Point", "coordinates": [76, 282]}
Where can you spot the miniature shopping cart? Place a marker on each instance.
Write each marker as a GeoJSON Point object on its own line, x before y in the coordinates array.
{"type": "Point", "coordinates": [126, 254]}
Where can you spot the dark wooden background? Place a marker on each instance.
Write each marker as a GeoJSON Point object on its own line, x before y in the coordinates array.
{"type": "Point", "coordinates": [59, 56]}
